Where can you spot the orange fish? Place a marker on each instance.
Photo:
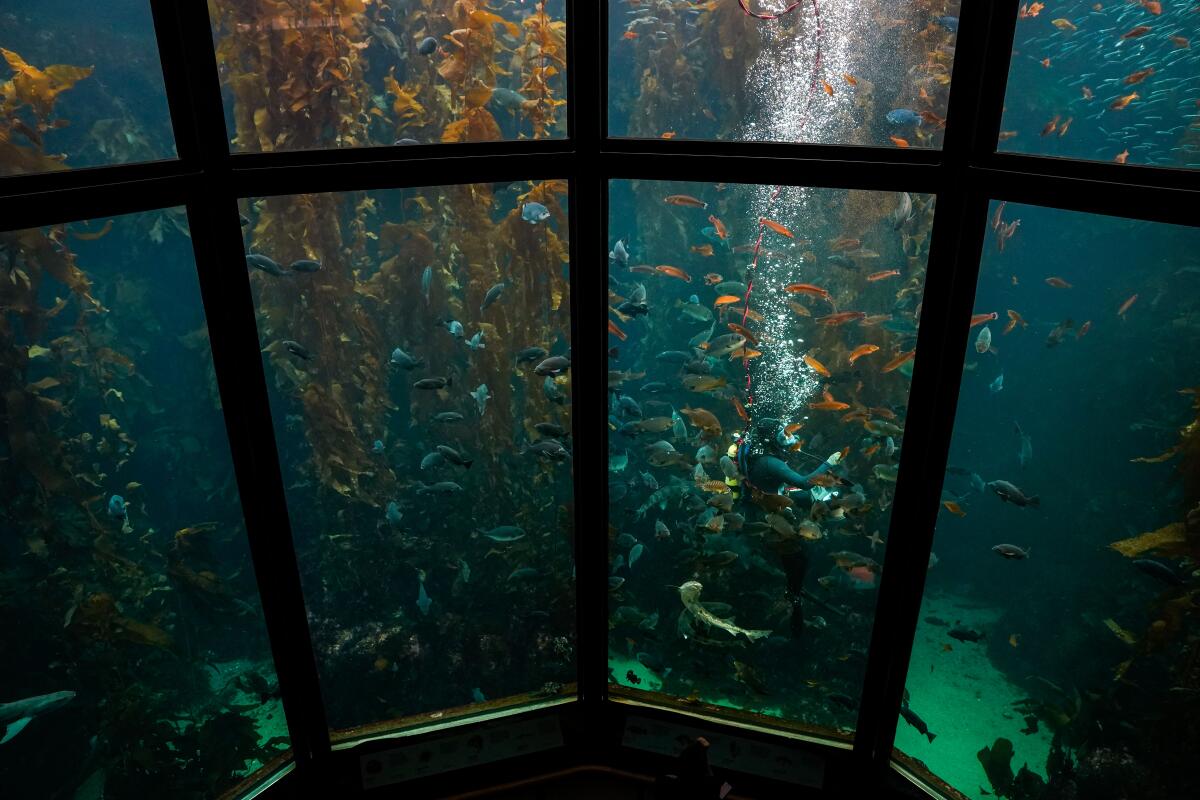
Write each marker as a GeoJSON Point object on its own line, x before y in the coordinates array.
{"type": "Point", "coordinates": [1140, 30]}
{"type": "Point", "coordinates": [1153, 6]}
{"type": "Point", "coordinates": [1087, 93]}
{"type": "Point", "coordinates": [1122, 102]}
{"type": "Point", "coordinates": [862, 350]}
{"type": "Point", "coordinates": [718, 227]}
{"type": "Point", "coordinates": [726, 299]}
{"type": "Point", "coordinates": [740, 409]}
{"type": "Point", "coordinates": [750, 313]}
{"type": "Point", "coordinates": [746, 333]}
{"type": "Point", "coordinates": [1051, 126]}
{"type": "Point", "coordinates": [705, 250]}
{"type": "Point", "coordinates": [842, 317]}
{"type": "Point", "coordinates": [1057, 283]}
{"type": "Point", "coordinates": [828, 89]}
{"type": "Point", "coordinates": [1062, 129]}
{"type": "Point", "coordinates": [818, 367]}
{"type": "Point", "coordinates": [1125, 306]}
{"type": "Point", "coordinates": [1083, 329]}
{"type": "Point", "coordinates": [1006, 135]}
{"type": "Point", "coordinates": [828, 403]}
{"type": "Point", "coordinates": [744, 353]}
{"type": "Point", "coordinates": [850, 79]}
{"type": "Point", "coordinates": [615, 331]}
{"type": "Point", "coordinates": [630, 35]}
{"type": "Point", "coordinates": [933, 119]}
{"type": "Point", "coordinates": [979, 319]}
{"type": "Point", "coordinates": [674, 272]}
{"type": "Point", "coordinates": [887, 273]}
{"type": "Point", "coordinates": [1046, 62]}
{"type": "Point", "coordinates": [775, 226]}
{"type": "Point", "coordinates": [684, 200]}
{"type": "Point", "coordinates": [799, 309]}
{"type": "Point", "coordinates": [954, 508]}
{"type": "Point", "coordinates": [1014, 319]}
{"type": "Point", "coordinates": [899, 361]}
{"type": "Point", "coordinates": [712, 279]}
{"type": "Point", "coordinates": [807, 288]}
{"type": "Point", "coordinates": [896, 140]}
{"type": "Point", "coordinates": [1122, 156]}
{"type": "Point", "coordinates": [668, 134]}
{"type": "Point", "coordinates": [1014, 639]}
{"type": "Point", "coordinates": [1181, 41]}
{"type": "Point", "coordinates": [1139, 76]}
{"type": "Point", "coordinates": [844, 243]}
{"type": "Point", "coordinates": [872, 450]}
{"type": "Point", "coordinates": [882, 413]}
{"type": "Point", "coordinates": [790, 429]}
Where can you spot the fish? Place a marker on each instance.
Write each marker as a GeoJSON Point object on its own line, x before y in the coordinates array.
{"type": "Point", "coordinates": [1009, 493]}
{"type": "Point", "coordinates": [264, 264]}
{"type": "Point", "coordinates": [426, 283]}
{"type": "Point", "coordinates": [531, 354]}
{"type": "Point", "coordinates": [432, 460]}
{"type": "Point", "coordinates": [619, 253]}
{"type": "Point", "coordinates": [1011, 551]}
{"type": "Point", "coordinates": [554, 365]}
{"type": "Point", "coordinates": [954, 508]}
{"type": "Point", "coordinates": [481, 396]}
{"type": "Point", "coordinates": [828, 89]}
{"type": "Point", "coordinates": [963, 634]}
{"type": "Point", "coordinates": [684, 200]}
{"type": "Point", "coordinates": [860, 351]}
{"type": "Point", "coordinates": [882, 275]}
{"type": "Point", "coordinates": [808, 289]}
{"type": "Point", "coordinates": [719, 229]}
{"type": "Point", "coordinates": [1083, 329]}
{"type": "Point", "coordinates": [616, 331]}
{"type": "Point", "coordinates": [297, 349]}
{"type": "Point", "coordinates": [725, 300]}
{"type": "Point", "coordinates": [705, 250]}
{"type": "Point", "coordinates": [899, 361]}
{"type": "Point", "coordinates": [1137, 77]}
{"type": "Point", "coordinates": [1063, 24]}
{"type": "Point", "coordinates": [841, 317]}
{"type": "Point", "coordinates": [493, 294]}
{"type": "Point", "coordinates": [1123, 102]}
{"type": "Point", "coordinates": [1138, 31]}
{"type": "Point", "coordinates": [427, 46]}
{"type": "Point", "coordinates": [816, 366]}
{"type": "Point", "coordinates": [423, 599]}
{"type": "Point", "coordinates": [828, 403]}
{"type": "Point", "coordinates": [377, 447]}
{"type": "Point", "coordinates": [1014, 319]}
{"type": "Point", "coordinates": [1059, 332]}
{"type": "Point", "coordinates": [898, 141]}
{"type": "Point", "coordinates": [635, 553]}
{"type": "Point", "coordinates": [533, 213]}
{"type": "Point", "coordinates": [507, 98]}
{"type": "Point", "coordinates": [305, 265]}
{"type": "Point", "coordinates": [1058, 283]}
{"type": "Point", "coordinates": [983, 342]}
{"type": "Point", "coordinates": [1024, 446]}
{"type": "Point", "coordinates": [903, 116]}
{"type": "Point", "coordinates": [689, 594]}
{"type": "Point", "coordinates": [476, 343]}
{"type": "Point", "coordinates": [911, 718]}
{"type": "Point", "coordinates": [405, 361]}
{"type": "Point", "coordinates": [442, 487]}
{"type": "Point", "coordinates": [448, 416]}
{"type": "Point", "coordinates": [997, 383]}
{"type": "Point", "coordinates": [15, 716]}
{"type": "Point", "coordinates": [393, 515]}
{"type": "Point", "coordinates": [503, 533]}
{"type": "Point", "coordinates": [117, 507]}
{"type": "Point", "coordinates": [979, 319]}
{"type": "Point", "coordinates": [1122, 156]}
{"type": "Point", "coordinates": [1126, 305]}
{"type": "Point", "coordinates": [454, 457]}
{"type": "Point", "coordinates": [673, 272]}
{"type": "Point", "coordinates": [454, 327]}
{"type": "Point", "coordinates": [549, 449]}
{"type": "Point", "coordinates": [430, 384]}
{"type": "Point", "coordinates": [776, 227]}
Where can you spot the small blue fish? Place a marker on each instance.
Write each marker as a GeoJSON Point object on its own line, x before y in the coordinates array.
{"type": "Point", "coordinates": [377, 447]}
{"type": "Point", "coordinates": [949, 23]}
{"type": "Point", "coordinates": [694, 299]}
{"type": "Point", "coordinates": [903, 116]}
{"type": "Point", "coordinates": [552, 392]}
{"type": "Point", "coordinates": [635, 553]}
{"type": "Point", "coordinates": [477, 696]}
{"type": "Point", "coordinates": [619, 254]}
{"type": "Point", "coordinates": [426, 282]}
{"type": "Point", "coordinates": [533, 213]}
{"type": "Point", "coordinates": [523, 573]}
{"type": "Point", "coordinates": [117, 506]}
{"type": "Point", "coordinates": [476, 341]}
{"type": "Point", "coordinates": [432, 460]}
{"type": "Point", "coordinates": [455, 327]}
{"type": "Point", "coordinates": [427, 46]}
{"type": "Point", "coordinates": [405, 361]}
{"type": "Point", "coordinates": [998, 384]}
{"type": "Point", "coordinates": [405, 142]}
{"type": "Point", "coordinates": [618, 564]}
{"type": "Point", "coordinates": [481, 396]}
{"type": "Point", "coordinates": [393, 514]}
{"type": "Point", "coordinates": [423, 599]}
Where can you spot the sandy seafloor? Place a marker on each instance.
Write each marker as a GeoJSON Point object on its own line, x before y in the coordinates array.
{"type": "Point", "coordinates": [964, 700]}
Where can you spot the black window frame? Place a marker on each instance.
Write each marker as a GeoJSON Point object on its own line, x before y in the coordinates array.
{"type": "Point", "coordinates": [208, 180]}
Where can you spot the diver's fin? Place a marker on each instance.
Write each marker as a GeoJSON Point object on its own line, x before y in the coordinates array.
{"type": "Point", "coordinates": [15, 727]}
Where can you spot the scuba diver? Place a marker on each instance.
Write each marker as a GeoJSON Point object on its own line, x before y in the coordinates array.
{"type": "Point", "coordinates": [761, 454]}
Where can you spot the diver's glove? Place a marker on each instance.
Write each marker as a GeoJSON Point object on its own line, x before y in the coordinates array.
{"type": "Point", "coordinates": [834, 459]}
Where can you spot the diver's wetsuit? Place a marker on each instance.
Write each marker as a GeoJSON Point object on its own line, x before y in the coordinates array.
{"type": "Point", "coordinates": [761, 459]}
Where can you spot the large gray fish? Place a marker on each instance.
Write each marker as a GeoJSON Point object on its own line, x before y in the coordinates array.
{"type": "Point", "coordinates": [903, 211]}
{"type": "Point", "coordinates": [1025, 448]}
{"type": "Point", "coordinates": [442, 487]}
{"type": "Point", "coordinates": [426, 282]}
{"type": "Point", "coordinates": [1009, 493]}
{"type": "Point", "coordinates": [481, 396]}
{"type": "Point", "coordinates": [493, 294]}
{"type": "Point", "coordinates": [16, 715]}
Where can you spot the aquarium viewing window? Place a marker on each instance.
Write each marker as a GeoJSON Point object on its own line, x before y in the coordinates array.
{"type": "Point", "coordinates": [306, 440]}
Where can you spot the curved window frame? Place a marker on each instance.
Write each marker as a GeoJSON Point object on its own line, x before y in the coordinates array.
{"type": "Point", "coordinates": [965, 174]}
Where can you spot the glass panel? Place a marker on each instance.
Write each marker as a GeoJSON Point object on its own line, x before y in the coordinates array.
{"type": "Point", "coordinates": [80, 86]}
{"type": "Point", "coordinates": [754, 448]}
{"type": "Point", "coordinates": [417, 346]}
{"type": "Point", "coordinates": [1059, 626]}
{"type": "Point", "coordinates": [850, 73]}
{"type": "Point", "coordinates": [1105, 82]}
{"type": "Point", "coordinates": [350, 73]}
{"type": "Point", "coordinates": [135, 660]}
